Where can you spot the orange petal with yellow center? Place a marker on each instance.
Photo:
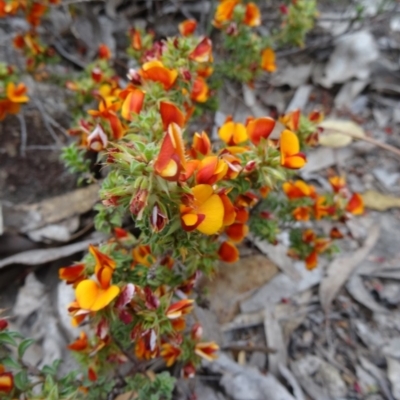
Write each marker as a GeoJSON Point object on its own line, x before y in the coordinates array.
{"type": "Point", "coordinates": [191, 221]}
{"type": "Point", "coordinates": [16, 94]}
{"type": "Point", "coordinates": [224, 11]}
{"type": "Point", "coordinates": [187, 27]}
{"type": "Point", "coordinates": [71, 274]}
{"type": "Point", "coordinates": [268, 60]}
{"type": "Point", "coordinates": [356, 204]}
{"type": "Point", "coordinates": [311, 260]}
{"type": "Point", "coordinates": [295, 162]}
{"type": "Point", "coordinates": [228, 252]}
{"type": "Point", "coordinates": [202, 52]}
{"type": "Point", "coordinates": [6, 382]}
{"type": "Point", "coordinates": [132, 104]}
{"type": "Point", "coordinates": [102, 260]}
{"type": "Point", "coordinates": [207, 170]}
{"type": "Point", "coordinates": [201, 143]}
{"type": "Point", "coordinates": [157, 72]}
{"type": "Point", "coordinates": [104, 276]}
{"type": "Point", "coordinates": [252, 16]}
{"type": "Point", "coordinates": [200, 90]}
{"type": "Point", "coordinates": [171, 113]}
{"type": "Point", "coordinates": [260, 128]}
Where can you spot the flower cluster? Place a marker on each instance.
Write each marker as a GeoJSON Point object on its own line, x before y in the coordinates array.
{"type": "Point", "coordinates": [12, 93]}
{"type": "Point", "coordinates": [29, 43]}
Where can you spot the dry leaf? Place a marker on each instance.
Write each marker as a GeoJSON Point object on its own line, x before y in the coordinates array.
{"type": "Point", "coordinates": [342, 267]}
{"type": "Point", "coordinates": [356, 288]}
{"type": "Point", "coordinates": [380, 202]}
{"type": "Point", "coordinates": [274, 339]}
{"type": "Point", "coordinates": [339, 133]}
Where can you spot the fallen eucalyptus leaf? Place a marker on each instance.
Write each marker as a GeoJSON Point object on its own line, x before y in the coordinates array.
{"type": "Point", "coordinates": [379, 201]}
{"type": "Point", "coordinates": [339, 133]}
{"type": "Point", "coordinates": [342, 267]}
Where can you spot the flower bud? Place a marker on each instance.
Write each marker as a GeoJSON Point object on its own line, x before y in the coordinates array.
{"type": "Point", "coordinates": [232, 29]}
{"type": "Point", "coordinates": [138, 203]}
{"type": "Point", "coordinates": [97, 140]}
{"type": "Point", "coordinates": [250, 166]}
{"type": "Point", "coordinates": [197, 331]}
{"type": "Point", "coordinates": [134, 77]}
{"type": "Point", "coordinates": [158, 218]}
{"type": "Point", "coordinates": [97, 74]}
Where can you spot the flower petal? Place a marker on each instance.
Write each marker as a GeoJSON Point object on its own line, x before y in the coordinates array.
{"type": "Point", "coordinates": [86, 293]}
{"type": "Point", "coordinates": [228, 252]}
{"type": "Point", "coordinates": [105, 297]}
{"type": "Point", "coordinates": [213, 209]}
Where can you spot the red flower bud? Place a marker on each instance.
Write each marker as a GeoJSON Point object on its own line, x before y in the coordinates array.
{"type": "Point", "coordinates": [97, 74]}
{"type": "Point", "coordinates": [158, 219]}
{"type": "Point", "coordinates": [134, 76]}
{"type": "Point", "coordinates": [3, 324]}
{"type": "Point", "coordinates": [97, 140]}
{"type": "Point", "coordinates": [283, 9]}
{"type": "Point", "coordinates": [197, 331]}
{"type": "Point", "coordinates": [139, 203]}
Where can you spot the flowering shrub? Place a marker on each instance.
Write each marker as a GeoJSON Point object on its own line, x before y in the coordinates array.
{"type": "Point", "coordinates": [192, 202]}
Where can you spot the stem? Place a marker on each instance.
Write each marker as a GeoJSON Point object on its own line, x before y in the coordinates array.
{"type": "Point", "coordinates": [375, 142]}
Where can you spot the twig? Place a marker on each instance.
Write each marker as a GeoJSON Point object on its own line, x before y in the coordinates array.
{"type": "Point", "coordinates": [46, 121]}
{"type": "Point", "coordinates": [238, 347]}
{"type": "Point", "coordinates": [24, 135]}
{"type": "Point", "coordinates": [64, 53]}
{"type": "Point", "coordinates": [42, 147]}
{"type": "Point", "coordinates": [375, 142]}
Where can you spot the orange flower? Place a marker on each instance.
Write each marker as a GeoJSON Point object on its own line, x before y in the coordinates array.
{"type": "Point", "coordinates": [80, 344]}
{"type": "Point", "coordinates": [309, 236]}
{"type": "Point", "coordinates": [237, 232]}
{"type": "Point", "coordinates": [311, 260]}
{"type": "Point", "coordinates": [233, 133]}
{"type": "Point", "coordinates": [321, 209]}
{"type": "Point", "coordinates": [169, 353]}
{"type": "Point", "coordinates": [187, 27]}
{"type": "Point", "coordinates": [290, 151]}
{"type": "Point", "coordinates": [156, 71]}
{"type": "Point", "coordinates": [6, 381]}
{"type": "Point", "coordinates": [336, 234]}
{"type": "Point", "coordinates": [16, 94]}
{"type": "Point", "coordinates": [92, 374]}
{"type": "Point", "coordinates": [91, 295]}
{"type": "Point", "coordinates": [133, 99]}
{"type": "Point", "coordinates": [136, 39]}
{"type": "Point", "coordinates": [301, 213]}
{"type": "Point", "coordinates": [228, 252]}
{"type": "Point", "coordinates": [338, 183]}
{"type": "Point", "coordinates": [205, 70]}
{"type": "Point", "coordinates": [104, 52]}
{"type": "Point", "coordinates": [321, 244]}
{"type": "Point", "coordinates": [264, 191]}
{"type": "Point", "coordinates": [180, 308]}
{"type": "Point", "coordinates": [355, 204]}
{"type": "Point", "coordinates": [204, 211]}
{"type": "Point", "coordinates": [35, 13]}
{"type": "Point", "coordinates": [291, 120]}
{"type": "Point", "coordinates": [201, 143]}
{"type": "Point", "coordinates": [233, 164]}
{"type": "Point", "coordinates": [142, 255]}
{"type": "Point", "coordinates": [206, 350]}
{"type": "Point", "coordinates": [171, 159]}
{"type": "Point", "coordinates": [252, 16]}
{"type": "Point", "coordinates": [268, 60]}
{"type": "Point", "coordinates": [200, 90]}
{"type": "Point", "coordinates": [210, 170]}
{"type": "Point", "coordinates": [224, 12]}
{"type": "Point", "coordinates": [260, 128]}
{"type": "Point", "coordinates": [72, 274]}
{"type": "Point", "coordinates": [316, 116]}
{"type": "Point", "coordinates": [202, 52]}
{"type": "Point", "coordinates": [171, 113]}
{"type": "Point", "coordinates": [298, 190]}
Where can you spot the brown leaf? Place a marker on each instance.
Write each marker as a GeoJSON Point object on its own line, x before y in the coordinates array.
{"type": "Point", "coordinates": [341, 269]}
{"type": "Point", "coordinates": [379, 201]}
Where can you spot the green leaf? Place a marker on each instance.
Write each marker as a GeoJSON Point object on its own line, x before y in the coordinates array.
{"type": "Point", "coordinates": [9, 362]}
{"type": "Point", "coordinates": [23, 346]}
{"type": "Point", "coordinates": [7, 338]}
{"type": "Point", "coordinates": [21, 380]}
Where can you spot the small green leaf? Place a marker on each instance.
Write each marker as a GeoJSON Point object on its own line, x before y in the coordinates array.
{"type": "Point", "coordinates": [23, 346]}
{"type": "Point", "coordinates": [21, 380]}
{"type": "Point", "coordinates": [9, 362]}
{"type": "Point", "coordinates": [7, 338]}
